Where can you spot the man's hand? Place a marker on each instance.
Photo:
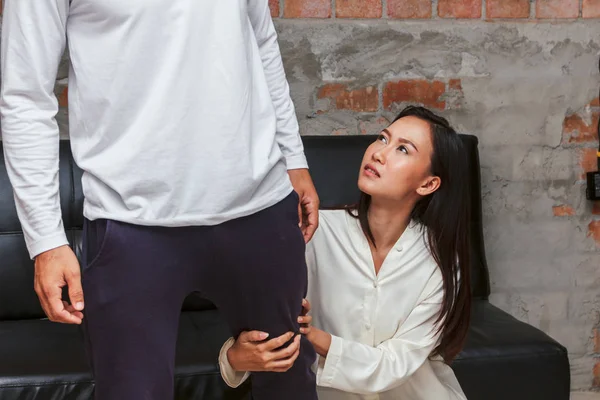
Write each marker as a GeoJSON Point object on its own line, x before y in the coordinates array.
{"type": "Point", "coordinates": [55, 269]}
{"type": "Point", "coordinates": [308, 207]}
{"type": "Point", "coordinates": [249, 353]}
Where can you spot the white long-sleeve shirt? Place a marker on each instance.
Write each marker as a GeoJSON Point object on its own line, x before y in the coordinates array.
{"type": "Point", "coordinates": [382, 325]}
{"type": "Point", "coordinates": [179, 111]}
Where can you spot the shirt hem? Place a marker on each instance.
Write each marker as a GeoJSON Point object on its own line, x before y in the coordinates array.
{"type": "Point", "coordinates": [92, 213]}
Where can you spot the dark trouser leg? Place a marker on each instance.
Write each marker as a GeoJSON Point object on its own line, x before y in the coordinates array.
{"type": "Point", "coordinates": [258, 282]}
{"type": "Point", "coordinates": [134, 286]}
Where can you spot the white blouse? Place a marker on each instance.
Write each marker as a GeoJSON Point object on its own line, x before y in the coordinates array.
{"type": "Point", "coordinates": [382, 325]}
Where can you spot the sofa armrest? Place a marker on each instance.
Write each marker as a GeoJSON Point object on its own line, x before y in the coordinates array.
{"type": "Point", "coordinates": [505, 358]}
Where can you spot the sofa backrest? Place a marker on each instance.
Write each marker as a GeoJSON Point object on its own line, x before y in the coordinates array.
{"type": "Point", "coordinates": [334, 164]}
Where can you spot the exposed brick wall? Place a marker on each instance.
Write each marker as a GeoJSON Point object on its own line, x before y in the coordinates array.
{"type": "Point", "coordinates": [425, 9]}
{"type": "Point", "coordinates": [408, 9]}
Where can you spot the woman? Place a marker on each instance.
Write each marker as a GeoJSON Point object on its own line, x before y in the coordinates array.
{"type": "Point", "coordinates": [389, 279]}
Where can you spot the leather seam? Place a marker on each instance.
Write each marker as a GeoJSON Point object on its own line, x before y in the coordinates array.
{"type": "Point", "coordinates": [88, 381]}
{"type": "Point", "coordinates": [45, 384]}
{"type": "Point", "coordinates": [11, 233]}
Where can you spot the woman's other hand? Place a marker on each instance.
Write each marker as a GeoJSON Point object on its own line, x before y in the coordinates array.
{"type": "Point", "coordinates": [304, 319]}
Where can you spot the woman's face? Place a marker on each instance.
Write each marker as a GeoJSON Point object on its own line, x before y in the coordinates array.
{"type": "Point", "coordinates": [397, 166]}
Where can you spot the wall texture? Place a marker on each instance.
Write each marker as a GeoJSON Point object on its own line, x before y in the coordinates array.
{"type": "Point", "coordinates": [523, 76]}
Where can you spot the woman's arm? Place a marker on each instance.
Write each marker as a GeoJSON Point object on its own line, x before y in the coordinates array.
{"type": "Point", "coordinates": [231, 377]}
{"type": "Point", "coordinates": [252, 352]}
{"type": "Point", "coordinates": [358, 368]}
{"type": "Point", "coordinates": [320, 340]}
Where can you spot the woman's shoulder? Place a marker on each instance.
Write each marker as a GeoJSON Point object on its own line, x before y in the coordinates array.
{"type": "Point", "coordinates": [332, 224]}
{"type": "Point", "coordinates": [333, 217]}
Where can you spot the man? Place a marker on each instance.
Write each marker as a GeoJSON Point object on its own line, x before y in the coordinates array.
{"type": "Point", "coordinates": [181, 119]}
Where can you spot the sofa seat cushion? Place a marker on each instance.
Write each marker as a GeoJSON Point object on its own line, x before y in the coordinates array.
{"type": "Point", "coordinates": [41, 360]}
{"type": "Point", "coordinates": [504, 356]}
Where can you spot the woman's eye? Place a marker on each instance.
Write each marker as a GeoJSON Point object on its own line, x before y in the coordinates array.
{"type": "Point", "coordinates": [382, 138]}
{"type": "Point", "coordinates": [403, 149]}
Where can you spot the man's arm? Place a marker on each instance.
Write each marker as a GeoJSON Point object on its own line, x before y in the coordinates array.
{"type": "Point", "coordinates": [288, 132]}
{"type": "Point", "coordinates": [33, 41]}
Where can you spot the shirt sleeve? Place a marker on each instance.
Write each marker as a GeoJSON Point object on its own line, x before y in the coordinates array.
{"type": "Point", "coordinates": [288, 132]}
{"type": "Point", "coordinates": [231, 377]}
{"type": "Point", "coordinates": [358, 368]}
{"type": "Point", "coordinates": [33, 42]}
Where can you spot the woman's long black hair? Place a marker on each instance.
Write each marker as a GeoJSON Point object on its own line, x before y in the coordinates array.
{"type": "Point", "coordinates": [446, 214]}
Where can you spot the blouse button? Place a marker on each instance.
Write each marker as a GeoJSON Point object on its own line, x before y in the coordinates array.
{"type": "Point", "coordinates": [375, 284]}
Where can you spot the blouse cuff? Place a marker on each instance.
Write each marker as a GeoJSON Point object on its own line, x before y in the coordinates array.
{"type": "Point", "coordinates": [329, 365]}
{"type": "Point", "coordinates": [231, 377]}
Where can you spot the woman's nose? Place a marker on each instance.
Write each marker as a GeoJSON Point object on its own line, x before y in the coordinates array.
{"type": "Point", "coordinates": [379, 156]}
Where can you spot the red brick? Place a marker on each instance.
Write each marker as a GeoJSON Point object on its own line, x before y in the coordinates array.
{"type": "Point", "coordinates": [274, 6]}
{"type": "Point", "coordinates": [591, 8]}
{"type": "Point", "coordinates": [409, 8]}
{"type": "Point", "coordinates": [594, 232]}
{"type": "Point", "coordinates": [588, 160]}
{"type": "Point", "coordinates": [596, 371]}
{"type": "Point", "coordinates": [557, 9]}
{"type": "Point", "coordinates": [63, 98]}
{"type": "Point", "coordinates": [507, 8]}
{"type": "Point", "coordinates": [307, 9]}
{"type": "Point", "coordinates": [563, 211]}
{"type": "Point", "coordinates": [596, 341]}
{"type": "Point", "coordinates": [459, 8]}
{"type": "Point", "coordinates": [596, 208]}
{"type": "Point", "coordinates": [424, 92]}
{"type": "Point", "coordinates": [360, 100]}
{"type": "Point", "coordinates": [455, 84]}
{"type": "Point", "coordinates": [358, 9]}
{"type": "Point", "coordinates": [578, 131]}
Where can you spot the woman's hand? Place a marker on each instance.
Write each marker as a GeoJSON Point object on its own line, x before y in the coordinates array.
{"type": "Point", "coordinates": [304, 319]}
{"type": "Point", "coordinates": [251, 353]}
{"type": "Point", "coordinates": [320, 340]}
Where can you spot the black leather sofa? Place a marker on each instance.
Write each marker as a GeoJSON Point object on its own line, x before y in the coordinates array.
{"type": "Point", "coordinates": [503, 359]}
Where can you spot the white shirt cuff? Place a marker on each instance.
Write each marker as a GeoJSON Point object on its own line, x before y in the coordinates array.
{"type": "Point", "coordinates": [296, 162]}
{"type": "Point", "coordinates": [231, 377]}
{"type": "Point", "coordinates": [329, 365]}
{"type": "Point", "coordinates": [45, 244]}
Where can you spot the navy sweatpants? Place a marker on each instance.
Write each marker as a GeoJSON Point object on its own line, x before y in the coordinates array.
{"type": "Point", "coordinates": [135, 279]}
